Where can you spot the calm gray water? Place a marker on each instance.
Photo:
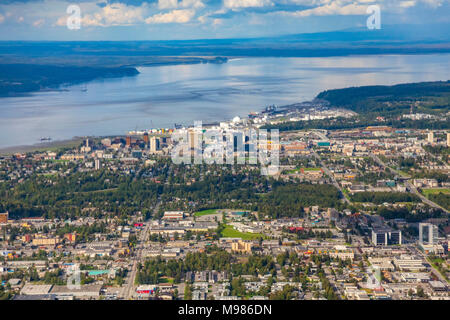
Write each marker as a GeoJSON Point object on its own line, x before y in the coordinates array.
{"type": "Point", "coordinates": [160, 96]}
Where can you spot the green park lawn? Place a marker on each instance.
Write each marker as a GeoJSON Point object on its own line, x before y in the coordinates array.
{"type": "Point", "coordinates": [428, 191]}
{"type": "Point", "coordinates": [205, 212]}
{"type": "Point", "coordinates": [230, 232]}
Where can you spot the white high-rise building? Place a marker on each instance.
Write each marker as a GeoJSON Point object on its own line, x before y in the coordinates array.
{"type": "Point", "coordinates": [448, 139]}
{"type": "Point", "coordinates": [431, 137]}
{"type": "Point", "coordinates": [431, 231]}
{"type": "Point", "coordinates": [98, 164]}
{"type": "Point", "coordinates": [86, 147]}
{"type": "Point", "coordinates": [154, 144]}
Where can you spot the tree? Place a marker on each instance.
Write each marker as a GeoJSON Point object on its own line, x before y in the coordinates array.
{"type": "Point", "coordinates": [421, 293]}
{"type": "Point", "coordinates": [187, 291]}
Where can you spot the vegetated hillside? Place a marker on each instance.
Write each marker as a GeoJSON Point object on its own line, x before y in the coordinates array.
{"type": "Point", "coordinates": [387, 101]}
{"type": "Point", "coordinates": [430, 97]}
{"type": "Point", "coordinates": [22, 78]}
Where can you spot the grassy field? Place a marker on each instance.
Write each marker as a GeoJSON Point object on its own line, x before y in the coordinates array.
{"type": "Point", "coordinates": [292, 171]}
{"type": "Point", "coordinates": [96, 191]}
{"type": "Point", "coordinates": [297, 170]}
{"type": "Point", "coordinates": [230, 232]}
{"type": "Point", "coordinates": [49, 175]}
{"type": "Point", "coordinates": [205, 212]}
{"type": "Point", "coordinates": [165, 280]}
{"type": "Point", "coordinates": [426, 192]}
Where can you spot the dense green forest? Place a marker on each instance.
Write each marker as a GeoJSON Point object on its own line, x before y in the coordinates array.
{"type": "Point", "coordinates": [392, 100]}
{"type": "Point", "coordinates": [103, 193]}
{"type": "Point", "coordinates": [381, 197]}
{"type": "Point", "coordinates": [441, 198]}
{"type": "Point", "coordinates": [405, 213]}
{"type": "Point", "coordinates": [359, 122]}
{"type": "Point", "coordinates": [387, 101]}
{"type": "Point", "coordinates": [65, 197]}
{"type": "Point", "coordinates": [289, 200]}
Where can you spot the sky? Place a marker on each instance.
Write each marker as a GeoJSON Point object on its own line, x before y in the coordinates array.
{"type": "Point", "coordinates": [117, 20]}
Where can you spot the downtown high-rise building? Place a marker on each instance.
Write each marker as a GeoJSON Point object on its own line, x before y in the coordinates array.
{"type": "Point", "coordinates": [154, 144]}
{"type": "Point", "coordinates": [430, 137]}
{"type": "Point", "coordinates": [428, 233]}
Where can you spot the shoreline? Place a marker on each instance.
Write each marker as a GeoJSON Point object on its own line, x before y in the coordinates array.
{"type": "Point", "coordinates": [76, 140]}
{"type": "Point", "coordinates": [32, 86]}
{"type": "Point", "coordinates": [42, 146]}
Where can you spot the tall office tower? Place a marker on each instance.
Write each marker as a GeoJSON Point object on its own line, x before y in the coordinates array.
{"type": "Point", "coordinates": [191, 138]}
{"type": "Point", "coordinates": [238, 141]}
{"type": "Point", "coordinates": [431, 233]}
{"type": "Point", "coordinates": [154, 144]}
{"type": "Point", "coordinates": [98, 164]}
{"type": "Point", "coordinates": [431, 137]}
{"type": "Point", "coordinates": [128, 141]}
{"type": "Point", "coordinates": [448, 139]}
{"type": "Point", "coordinates": [86, 147]}
{"type": "Point", "coordinates": [385, 237]}
{"type": "Point", "coordinates": [146, 139]}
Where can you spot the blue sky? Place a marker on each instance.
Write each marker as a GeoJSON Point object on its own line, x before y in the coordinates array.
{"type": "Point", "coordinates": [192, 19]}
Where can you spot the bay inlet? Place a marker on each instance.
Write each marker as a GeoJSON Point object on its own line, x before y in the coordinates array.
{"type": "Point", "coordinates": [163, 95]}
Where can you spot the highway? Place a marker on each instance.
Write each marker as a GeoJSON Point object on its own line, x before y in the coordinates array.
{"type": "Point", "coordinates": [330, 174]}
{"type": "Point", "coordinates": [410, 186]}
{"type": "Point", "coordinates": [128, 288]}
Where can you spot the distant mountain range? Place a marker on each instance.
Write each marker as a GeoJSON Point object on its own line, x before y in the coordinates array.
{"type": "Point", "coordinates": [388, 33]}
{"type": "Point", "coordinates": [401, 39]}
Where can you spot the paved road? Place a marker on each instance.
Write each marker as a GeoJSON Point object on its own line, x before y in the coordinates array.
{"type": "Point", "coordinates": [321, 135]}
{"type": "Point", "coordinates": [128, 288]}
{"type": "Point", "coordinates": [410, 186]}
{"type": "Point", "coordinates": [328, 172]}
{"type": "Point", "coordinates": [433, 270]}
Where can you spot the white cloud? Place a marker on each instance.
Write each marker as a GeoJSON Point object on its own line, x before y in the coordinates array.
{"type": "Point", "coordinates": [173, 4]}
{"type": "Point", "coordinates": [434, 3]}
{"type": "Point", "coordinates": [174, 16]}
{"type": "Point", "coordinates": [167, 4]}
{"type": "Point", "coordinates": [246, 3]}
{"type": "Point", "coordinates": [40, 13]}
{"type": "Point", "coordinates": [407, 4]}
{"type": "Point", "coordinates": [305, 2]}
{"type": "Point", "coordinates": [39, 23]}
{"type": "Point", "coordinates": [197, 4]}
{"type": "Point", "coordinates": [117, 14]}
{"type": "Point", "coordinates": [332, 8]}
